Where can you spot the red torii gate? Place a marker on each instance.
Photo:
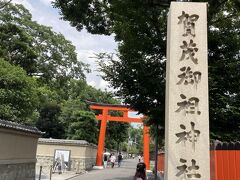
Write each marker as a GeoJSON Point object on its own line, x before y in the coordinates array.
{"type": "Point", "coordinates": [104, 117]}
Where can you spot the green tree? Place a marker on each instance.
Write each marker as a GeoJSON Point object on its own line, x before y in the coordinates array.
{"type": "Point", "coordinates": [78, 91]}
{"type": "Point", "coordinates": [83, 127]}
{"type": "Point", "coordinates": [141, 48]}
{"type": "Point", "coordinates": [139, 73]}
{"type": "Point", "coordinates": [136, 136]}
{"type": "Point", "coordinates": [18, 94]}
{"type": "Point", "coordinates": [116, 134]}
{"type": "Point", "coordinates": [47, 94]}
{"type": "Point", "coordinates": [224, 59]}
{"type": "Point", "coordinates": [36, 48]}
{"type": "Point", "coordinates": [49, 122]}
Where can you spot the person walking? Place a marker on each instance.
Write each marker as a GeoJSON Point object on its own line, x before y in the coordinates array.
{"type": "Point", "coordinates": [139, 158]}
{"type": "Point", "coordinates": [119, 159]}
{"type": "Point", "coordinates": [140, 172]}
{"type": "Point", "coordinates": [105, 160]}
{"type": "Point", "coordinates": [112, 160]}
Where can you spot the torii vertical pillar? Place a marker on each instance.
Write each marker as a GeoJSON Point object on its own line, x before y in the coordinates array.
{"type": "Point", "coordinates": [146, 146]}
{"type": "Point", "coordinates": [101, 139]}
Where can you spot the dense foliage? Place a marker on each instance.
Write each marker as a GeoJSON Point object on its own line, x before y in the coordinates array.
{"type": "Point", "coordinates": [135, 140]}
{"type": "Point", "coordinates": [49, 123]}
{"type": "Point", "coordinates": [83, 126]}
{"type": "Point", "coordinates": [116, 134]}
{"type": "Point", "coordinates": [42, 82]}
{"type": "Point", "coordinates": [139, 72]}
{"type": "Point", "coordinates": [18, 92]}
{"type": "Point", "coordinates": [36, 48]}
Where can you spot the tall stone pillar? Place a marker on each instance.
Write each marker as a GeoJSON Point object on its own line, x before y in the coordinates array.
{"type": "Point", "coordinates": [187, 114]}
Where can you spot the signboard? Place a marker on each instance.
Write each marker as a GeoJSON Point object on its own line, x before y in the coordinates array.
{"type": "Point", "coordinates": [61, 160]}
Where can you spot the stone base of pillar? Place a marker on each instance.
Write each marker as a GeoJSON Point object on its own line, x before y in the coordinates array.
{"type": "Point", "coordinates": [98, 167]}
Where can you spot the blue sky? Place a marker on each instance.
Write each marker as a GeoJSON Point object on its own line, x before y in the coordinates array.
{"type": "Point", "coordinates": [86, 44]}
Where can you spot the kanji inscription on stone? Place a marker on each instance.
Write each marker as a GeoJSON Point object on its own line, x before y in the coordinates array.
{"type": "Point", "coordinates": [189, 106]}
{"type": "Point", "coordinates": [188, 135]}
{"type": "Point", "coordinates": [188, 51]}
{"type": "Point", "coordinates": [187, 76]}
{"type": "Point", "coordinates": [188, 22]}
{"type": "Point", "coordinates": [188, 172]}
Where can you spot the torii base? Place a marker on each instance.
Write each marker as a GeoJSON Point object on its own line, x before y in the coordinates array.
{"type": "Point", "coordinates": [98, 167]}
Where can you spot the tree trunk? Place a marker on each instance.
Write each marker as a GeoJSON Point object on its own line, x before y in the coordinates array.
{"type": "Point", "coordinates": [156, 153]}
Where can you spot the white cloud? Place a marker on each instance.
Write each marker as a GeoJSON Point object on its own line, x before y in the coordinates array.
{"type": "Point", "coordinates": [103, 84]}
{"type": "Point", "coordinates": [46, 2]}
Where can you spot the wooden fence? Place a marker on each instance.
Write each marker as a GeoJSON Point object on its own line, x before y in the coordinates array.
{"type": "Point", "coordinates": [224, 161]}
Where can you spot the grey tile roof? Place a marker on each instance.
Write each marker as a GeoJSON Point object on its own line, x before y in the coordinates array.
{"type": "Point", "coordinates": [62, 141]}
{"type": "Point", "coordinates": [103, 104]}
{"type": "Point", "coordinates": [19, 127]}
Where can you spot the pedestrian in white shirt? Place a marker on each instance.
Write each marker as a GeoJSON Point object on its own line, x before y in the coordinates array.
{"type": "Point", "coordinates": [112, 160]}
{"type": "Point", "coordinates": [139, 158]}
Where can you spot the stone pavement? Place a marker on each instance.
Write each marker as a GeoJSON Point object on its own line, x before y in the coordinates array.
{"type": "Point", "coordinates": [64, 176]}
{"type": "Point", "coordinates": [125, 172]}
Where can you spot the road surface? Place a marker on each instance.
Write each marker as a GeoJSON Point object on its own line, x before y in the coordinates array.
{"type": "Point", "coordinates": [125, 172]}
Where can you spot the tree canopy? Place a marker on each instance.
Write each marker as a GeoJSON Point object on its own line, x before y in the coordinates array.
{"type": "Point", "coordinates": [138, 74]}
{"type": "Point", "coordinates": [48, 121]}
{"type": "Point", "coordinates": [136, 137]}
{"type": "Point", "coordinates": [42, 82]}
{"type": "Point", "coordinates": [83, 126]}
{"type": "Point", "coordinates": [36, 48]}
{"type": "Point", "coordinates": [18, 93]}
{"type": "Point", "coordinates": [116, 134]}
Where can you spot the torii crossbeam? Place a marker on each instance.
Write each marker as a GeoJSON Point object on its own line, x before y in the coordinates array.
{"type": "Point", "coordinates": [105, 116]}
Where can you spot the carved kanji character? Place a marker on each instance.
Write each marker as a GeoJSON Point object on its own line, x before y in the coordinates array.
{"type": "Point", "coordinates": [189, 77]}
{"type": "Point", "coordinates": [193, 169]}
{"type": "Point", "coordinates": [188, 23]}
{"type": "Point", "coordinates": [188, 172]}
{"type": "Point", "coordinates": [182, 169]}
{"type": "Point", "coordinates": [190, 106]}
{"type": "Point", "coordinates": [188, 51]}
{"type": "Point", "coordinates": [191, 136]}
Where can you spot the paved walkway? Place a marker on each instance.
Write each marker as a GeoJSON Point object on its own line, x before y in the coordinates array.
{"type": "Point", "coordinates": [125, 172]}
{"type": "Point", "coordinates": [46, 175]}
